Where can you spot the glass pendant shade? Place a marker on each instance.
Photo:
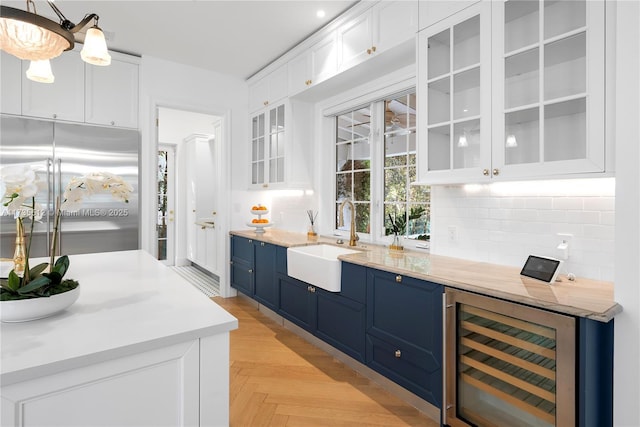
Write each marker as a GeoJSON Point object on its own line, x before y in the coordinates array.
{"type": "Point", "coordinates": [31, 37]}
{"type": "Point", "coordinates": [95, 48]}
{"type": "Point", "coordinates": [462, 141]}
{"type": "Point", "coordinates": [511, 141]}
{"type": "Point", "coordinates": [40, 71]}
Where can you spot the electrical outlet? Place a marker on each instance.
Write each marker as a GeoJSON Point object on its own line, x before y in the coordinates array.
{"type": "Point", "coordinates": [453, 233]}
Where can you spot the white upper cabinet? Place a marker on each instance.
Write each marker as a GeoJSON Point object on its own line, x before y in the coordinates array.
{"type": "Point", "coordinates": [269, 89]}
{"type": "Point", "coordinates": [64, 98]}
{"type": "Point", "coordinates": [549, 74]}
{"type": "Point", "coordinates": [111, 93]}
{"type": "Point", "coordinates": [268, 146]}
{"type": "Point", "coordinates": [355, 41]}
{"type": "Point", "coordinates": [313, 66]}
{"type": "Point", "coordinates": [454, 97]}
{"type": "Point", "coordinates": [10, 86]}
{"type": "Point", "coordinates": [380, 28]}
{"type": "Point", "coordinates": [394, 22]}
{"type": "Point", "coordinates": [530, 106]}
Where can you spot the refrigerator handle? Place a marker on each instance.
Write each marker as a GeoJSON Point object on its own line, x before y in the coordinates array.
{"type": "Point", "coordinates": [58, 199]}
{"type": "Point", "coordinates": [50, 190]}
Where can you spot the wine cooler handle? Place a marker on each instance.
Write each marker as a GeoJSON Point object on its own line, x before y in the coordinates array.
{"type": "Point", "coordinates": [50, 190]}
{"type": "Point", "coordinates": [444, 358]}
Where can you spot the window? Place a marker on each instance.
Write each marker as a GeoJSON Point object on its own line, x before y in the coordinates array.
{"type": "Point", "coordinates": [353, 168]}
{"type": "Point", "coordinates": [406, 204]}
{"type": "Point", "coordinates": [382, 133]}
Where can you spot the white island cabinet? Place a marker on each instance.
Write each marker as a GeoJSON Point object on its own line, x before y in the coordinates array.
{"type": "Point", "coordinates": [140, 347]}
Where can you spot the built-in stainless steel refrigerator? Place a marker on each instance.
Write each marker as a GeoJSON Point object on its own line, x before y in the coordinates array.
{"type": "Point", "coordinates": [59, 152]}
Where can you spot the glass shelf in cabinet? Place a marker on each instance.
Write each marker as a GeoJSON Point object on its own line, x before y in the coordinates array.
{"type": "Point", "coordinates": [466, 147]}
{"type": "Point", "coordinates": [438, 54]}
{"type": "Point", "coordinates": [466, 43]}
{"type": "Point", "coordinates": [439, 148]}
{"type": "Point", "coordinates": [521, 24]}
{"type": "Point", "coordinates": [563, 16]}
{"type": "Point", "coordinates": [565, 130]}
{"type": "Point", "coordinates": [522, 136]}
{"type": "Point", "coordinates": [438, 101]}
{"type": "Point", "coordinates": [565, 63]}
{"type": "Point", "coordinates": [466, 94]}
{"type": "Point", "coordinates": [522, 79]}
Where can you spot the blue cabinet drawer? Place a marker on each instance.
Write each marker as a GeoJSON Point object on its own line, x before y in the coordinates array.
{"type": "Point", "coordinates": [242, 249]}
{"type": "Point", "coordinates": [341, 323]}
{"type": "Point", "coordinates": [242, 277]}
{"type": "Point", "coordinates": [412, 368]}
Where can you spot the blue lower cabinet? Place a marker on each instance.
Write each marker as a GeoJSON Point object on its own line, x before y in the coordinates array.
{"type": "Point", "coordinates": [341, 323]}
{"type": "Point", "coordinates": [242, 277]}
{"type": "Point", "coordinates": [404, 332]}
{"type": "Point", "coordinates": [297, 302]}
{"type": "Point", "coordinates": [265, 281]}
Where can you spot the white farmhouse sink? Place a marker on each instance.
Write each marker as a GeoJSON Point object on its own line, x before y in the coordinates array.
{"type": "Point", "coordinates": [317, 265]}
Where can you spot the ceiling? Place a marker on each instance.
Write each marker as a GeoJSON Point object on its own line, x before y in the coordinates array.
{"type": "Point", "coordinates": [231, 37]}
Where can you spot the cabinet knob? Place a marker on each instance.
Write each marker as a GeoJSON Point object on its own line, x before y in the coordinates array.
{"type": "Point", "coordinates": [265, 103]}
{"type": "Point", "coordinates": [399, 278]}
{"type": "Point", "coordinates": [369, 51]}
{"type": "Point", "coordinates": [398, 354]}
{"type": "Point", "coordinates": [203, 227]}
{"type": "Point", "coordinates": [112, 123]}
{"type": "Point", "coordinates": [496, 171]}
{"type": "Point", "coordinates": [265, 185]}
{"type": "Point", "coordinates": [485, 172]}
{"type": "Point", "coordinates": [230, 262]}
{"type": "Point", "coordinates": [373, 48]}
{"type": "Point", "coordinates": [251, 271]}
{"type": "Point", "coordinates": [214, 213]}
{"type": "Point", "coordinates": [250, 241]}
{"type": "Point", "coordinates": [55, 116]}
{"type": "Point", "coordinates": [313, 289]}
{"type": "Point", "coordinates": [261, 243]}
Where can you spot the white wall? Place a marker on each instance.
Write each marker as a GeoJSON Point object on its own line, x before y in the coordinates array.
{"type": "Point", "coordinates": [169, 84]}
{"type": "Point", "coordinates": [503, 223]}
{"type": "Point", "coordinates": [627, 270]}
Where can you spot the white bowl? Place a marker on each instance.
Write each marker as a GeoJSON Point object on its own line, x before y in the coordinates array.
{"type": "Point", "coordinates": [24, 310]}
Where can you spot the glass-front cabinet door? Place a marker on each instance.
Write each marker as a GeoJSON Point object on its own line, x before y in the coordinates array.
{"type": "Point", "coordinates": [268, 147]}
{"type": "Point", "coordinates": [454, 92]}
{"type": "Point", "coordinates": [549, 86]}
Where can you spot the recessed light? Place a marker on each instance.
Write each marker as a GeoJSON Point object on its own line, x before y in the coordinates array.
{"type": "Point", "coordinates": [320, 13]}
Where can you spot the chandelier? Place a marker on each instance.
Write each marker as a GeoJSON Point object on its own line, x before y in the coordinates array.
{"type": "Point", "coordinates": [32, 37]}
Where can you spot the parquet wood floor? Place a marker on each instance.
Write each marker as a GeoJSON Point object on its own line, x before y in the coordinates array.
{"type": "Point", "coordinates": [279, 379]}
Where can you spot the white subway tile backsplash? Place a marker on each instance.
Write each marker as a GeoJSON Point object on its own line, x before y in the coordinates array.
{"type": "Point", "coordinates": [504, 223]}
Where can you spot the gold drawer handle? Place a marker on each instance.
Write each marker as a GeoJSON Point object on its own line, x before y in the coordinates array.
{"type": "Point", "coordinates": [399, 278]}
{"type": "Point", "coordinates": [398, 354]}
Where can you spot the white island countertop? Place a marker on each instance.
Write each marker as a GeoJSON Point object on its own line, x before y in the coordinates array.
{"type": "Point", "coordinates": [129, 303]}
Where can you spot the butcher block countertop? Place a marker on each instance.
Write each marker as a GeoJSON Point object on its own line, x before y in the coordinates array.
{"type": "Point", "coordinates": [592, 299]}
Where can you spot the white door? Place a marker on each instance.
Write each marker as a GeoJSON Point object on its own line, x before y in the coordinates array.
{"type": "Point", "coordinates": [165, 226]}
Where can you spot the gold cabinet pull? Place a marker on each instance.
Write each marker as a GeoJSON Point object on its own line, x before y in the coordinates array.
{"type": "Point", "coordinates": [485, 172]}
{"type": "Point", "coordinates": [399, 278]}
{"type": "Point", "coordinates": [373, 48]}
{"type": "Point", "coordinates": [369, 51]}
{"type": "Point", "coordinates": [398, 354]}
{"type": "Point", "coordinates": [251, 271]}
{"type": "Point", "coordinates": [496, 171]}
{"type": "Point", "coordinates": [231, 262]}
{"type": "Point", "coordinates": [261, 243]}
{"type": "Point", "coordinates": [312, 289]}
{"type": "Point", "coordinates": [266, 103]}
{"type": "Point", "coordinates": [250, 241]}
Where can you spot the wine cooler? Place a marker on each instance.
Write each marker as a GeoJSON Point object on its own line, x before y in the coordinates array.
{"type": "Point", "coordinates": [507, 364]}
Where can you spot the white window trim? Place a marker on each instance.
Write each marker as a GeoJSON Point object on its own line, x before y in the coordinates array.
{"type": "Point", "coordinates": [393, 84]}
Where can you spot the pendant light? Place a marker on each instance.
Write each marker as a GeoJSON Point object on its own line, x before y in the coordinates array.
{"type": "Point", "coordinates": [32, 37]}
{"type": "Point", "coordinates": [511, 141]}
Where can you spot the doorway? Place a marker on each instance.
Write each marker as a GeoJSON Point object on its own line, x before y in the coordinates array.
{"type": "Point", "coordinates": [176, 129]}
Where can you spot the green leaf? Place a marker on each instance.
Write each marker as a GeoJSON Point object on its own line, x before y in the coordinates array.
{"type": "Point", "coordinates": [54, 277]}
{"type": "Point", "coordinates": [62, 265]}
{"type": "Point", "coordinates": [34, 284]}
{"type": "Point", "coordinates": [13, 281]}
{"type": "Point", "coordinates": [35, 271]}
